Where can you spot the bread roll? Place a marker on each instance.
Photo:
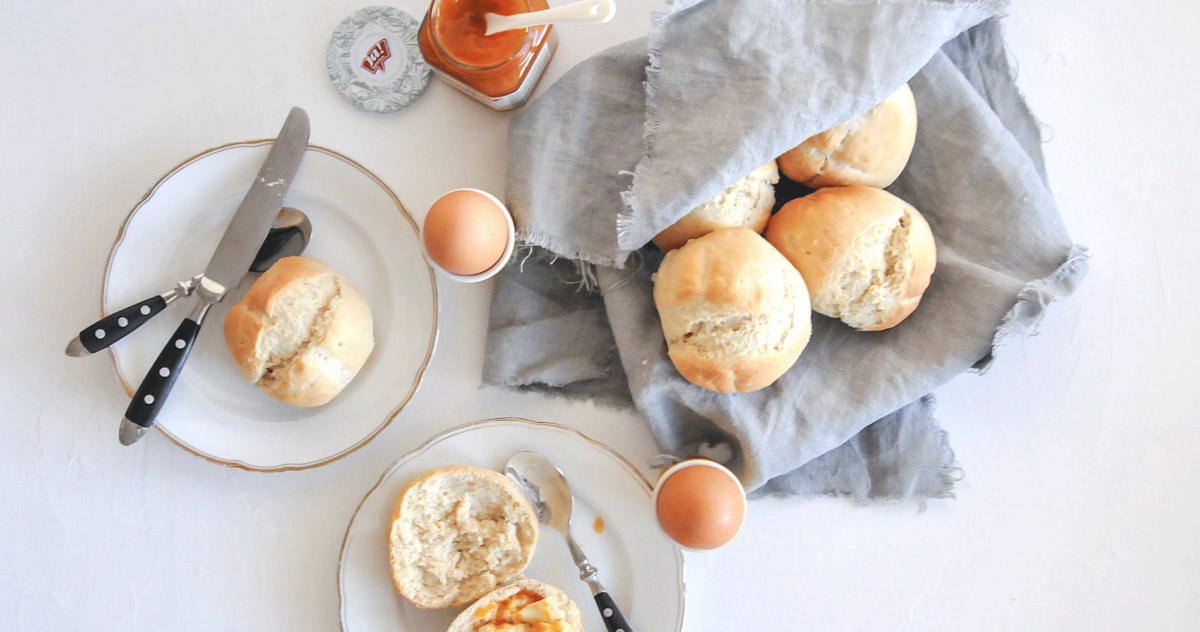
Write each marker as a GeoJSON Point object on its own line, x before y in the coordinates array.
{"type": "Point", "coordinates": [734, 312]}
{"type": "Point", "coordinates": [747, 202]}
{"type": "Point", "coordinates": [865, 254]}
{"type": "Point", "coordinates": [525, 605]}
{"type": "Point", "coordinates": [457, 532]}
{"type": "Point", "coordinates": [871, 149]}
{"type": "Point", "coordinates": [301, 332]}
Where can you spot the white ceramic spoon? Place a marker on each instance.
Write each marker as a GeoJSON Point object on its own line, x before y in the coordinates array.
{"type": "Point", "coordinates": [582, 11]}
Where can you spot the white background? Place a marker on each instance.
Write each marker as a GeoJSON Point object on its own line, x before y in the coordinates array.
{"type": "Point", "coordinates": [1080, 506]}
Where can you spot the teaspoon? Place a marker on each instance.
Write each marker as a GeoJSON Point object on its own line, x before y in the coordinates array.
{"type": "Point", "coordinates": [547, 491]}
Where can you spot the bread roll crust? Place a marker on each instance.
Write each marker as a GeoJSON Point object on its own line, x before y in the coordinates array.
{"type": "Point", "coordinates": [866, 255]}
{"type": "Point", "coordinates": [456, 533]}
{"type": "Point", "coordinates": [301, 332]}
{"type": "Point", "coordinates": [747, 202]}
{"type": "Point", "coordinates": [565, 610]}
{"type": "Point", "coordinates": [871, 149]}
{"type": "Point", "coordinates": [734, 312]}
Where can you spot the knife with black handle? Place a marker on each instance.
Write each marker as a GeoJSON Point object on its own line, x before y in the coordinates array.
{"type": "Point", "coordinates": [229, 264]}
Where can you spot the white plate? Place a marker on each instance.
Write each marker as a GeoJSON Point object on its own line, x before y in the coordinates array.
{"type": "Point", "coordinates": [359, 227]}
{"type": "Point", "coordinates": [640, 567]}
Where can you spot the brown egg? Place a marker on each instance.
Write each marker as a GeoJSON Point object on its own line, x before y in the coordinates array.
{"type": "Point", "coordinates": [465, 232]}
{"type": "Point", "coordinates": [700, 505]}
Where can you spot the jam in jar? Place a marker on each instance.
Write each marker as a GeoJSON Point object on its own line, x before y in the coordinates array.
{"type": "Point", "coordinates": [499, 70]}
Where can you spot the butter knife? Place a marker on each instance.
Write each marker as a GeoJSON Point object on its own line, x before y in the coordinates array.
{"type": "Point", "coordinates": [225, 270]}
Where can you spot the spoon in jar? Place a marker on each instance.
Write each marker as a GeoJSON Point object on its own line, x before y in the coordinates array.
{"type": "Point", "coordinates": [582, 11]}
{"type": "Point", "coordinates": [547, 491]}
{"type": "Point", "coordinates": [288, 236]}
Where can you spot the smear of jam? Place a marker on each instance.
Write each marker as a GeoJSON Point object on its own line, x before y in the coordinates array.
{"type": "Point", "coordinates": [507, 612]}
{"type": "Point", "coordinates": [598, 525]}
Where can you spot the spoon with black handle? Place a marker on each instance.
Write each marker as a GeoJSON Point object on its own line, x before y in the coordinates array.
{"type": "Point", "coordinates": [288, 236]}
{"type": "Point", "coordinates": [548, 493]}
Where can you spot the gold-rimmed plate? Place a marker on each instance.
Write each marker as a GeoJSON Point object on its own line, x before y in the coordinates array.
{"type": "Point", "coordinates": [359, 227]}
{"type": "Point", "coordinates": [613, 522]}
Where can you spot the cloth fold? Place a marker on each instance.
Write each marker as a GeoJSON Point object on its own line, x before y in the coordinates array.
{"type": "Point", "coordinates": [634, 137]}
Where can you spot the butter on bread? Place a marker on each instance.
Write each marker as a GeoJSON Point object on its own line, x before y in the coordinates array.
{"type": "Point", "coordinates": [870, 149]}
{"type": "Point", "coordinates": [525, 605]}
{"type": "Point", "coordinates": [301, 333]}
{"type": "Point", "coordinates": [866, 255]}
{"type": "Point", "coordinates": [456, 533]}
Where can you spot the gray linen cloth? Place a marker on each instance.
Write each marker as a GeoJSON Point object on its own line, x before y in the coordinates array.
{"type": "Point", "coordinates": [633, 138]}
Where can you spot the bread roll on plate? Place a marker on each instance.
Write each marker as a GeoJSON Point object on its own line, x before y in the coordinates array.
{"type": "Point", "coordinates": [457, 532]}
{"type": "Point", "coordinates": [734, 312]}
{"type": "Point", "coordinates": [301, 332]}
{"type": "Point", "coordinates": [870, 149]}
{"type": "Point", "coordinates": [866, 255]}
{"type": "Point", "coordinates": [525, 605]}
{"type": "Point", "coordinates": [747, 202]}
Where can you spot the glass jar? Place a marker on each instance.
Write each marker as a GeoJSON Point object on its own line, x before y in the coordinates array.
{"type": "Point", "coordinates": [499, 70]}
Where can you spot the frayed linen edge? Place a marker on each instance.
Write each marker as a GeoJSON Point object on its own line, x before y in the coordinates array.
{"type": "Point", "coordinates": [1025, 317]}
{"type": "Point", "coordinates": [627, 220]}
{"type": "Point", "coordinates": [950, 472]}
{"type": "Point", "coordinates": [560, 247]}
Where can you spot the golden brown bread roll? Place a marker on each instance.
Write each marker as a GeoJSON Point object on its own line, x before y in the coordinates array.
{"type": "Point", "coordinates": [866, 255]}
{"type": "Point", "coordinates": [456, 533]}
{"type": "Point", "coordinates": [734, 312]}
{"type": "Point", "coordinates": [525, 605]}
{"type": "Point", "coordinates": [871, 149]}
{"type": "Point", "coordinates": [301, 332]}
{"type": "Point", "coordinates": [747, 202]}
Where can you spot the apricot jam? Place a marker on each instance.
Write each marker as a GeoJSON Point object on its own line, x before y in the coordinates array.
{"type": "Point", "coordinates": [499, 70]}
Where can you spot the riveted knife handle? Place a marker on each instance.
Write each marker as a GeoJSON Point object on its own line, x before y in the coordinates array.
{"type": "Point", "coordinates": [613, 619]}
{"type": "Point", "coordinates": [152, 393]}
{"type": "Point", "coordinates": [106, 331]}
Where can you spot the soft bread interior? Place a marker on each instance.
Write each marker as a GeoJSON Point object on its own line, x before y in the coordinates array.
{"type": "Point", "coordinates": [301, 333]}
{"type": "Point", "coordinates": [457, 536]}
{"type": "Point", "coordinates": [297, 320]}
{"type": "Point", "coordinates": [747, 202]}
{"type": "Point", "coordinates": [869, 283]}
{"type": "Point", "coordinates": [743, 202]}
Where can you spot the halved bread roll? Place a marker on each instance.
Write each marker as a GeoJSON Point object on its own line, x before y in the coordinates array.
{"type": "Point", "coordinates": [747, 202]}
{"type": "Point", "coordinates": [525, 605]}
{"type": "Point", "coordinates": [457, 532]}
{"type": "Point", "coordinates": [866, 255]}
{"type": "Point", "coordinates": [301, 332]}
{"type": "Point", "coordinates": [734, 312]}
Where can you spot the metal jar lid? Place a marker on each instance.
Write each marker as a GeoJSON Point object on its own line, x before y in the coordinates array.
{"type": "Point", "coordinates": [374, 60]}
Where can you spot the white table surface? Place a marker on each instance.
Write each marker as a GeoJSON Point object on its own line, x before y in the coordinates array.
{"type": "Point", "coordinates": [1080, 504]}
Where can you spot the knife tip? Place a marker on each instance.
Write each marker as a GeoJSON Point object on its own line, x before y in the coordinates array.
{"type": "Point", "coordinates": [130, 432]}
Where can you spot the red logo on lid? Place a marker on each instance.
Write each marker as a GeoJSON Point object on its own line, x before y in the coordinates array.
{"type": "Point", "coordinates": [375, 57]}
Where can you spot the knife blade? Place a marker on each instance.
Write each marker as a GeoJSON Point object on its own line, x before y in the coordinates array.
{"type": "Point", "coordinates": [225, 270]}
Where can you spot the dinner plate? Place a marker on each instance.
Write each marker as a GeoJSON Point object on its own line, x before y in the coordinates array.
{"type": "Point", "coordinates": [360, 228]}
{"type": "Point", "coordinates": [613, 522]}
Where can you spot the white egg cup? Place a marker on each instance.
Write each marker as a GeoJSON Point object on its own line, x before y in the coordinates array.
{"type": "Point", "coordinates": [695, 462]}
{"type": "Point", "coordinates": [509, 244]}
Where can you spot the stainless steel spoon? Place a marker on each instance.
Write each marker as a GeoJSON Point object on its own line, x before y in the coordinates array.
{"type": "Point", "coordinates": [288, 236]}
{"type": "Point", "coordinates": [547, 491]}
